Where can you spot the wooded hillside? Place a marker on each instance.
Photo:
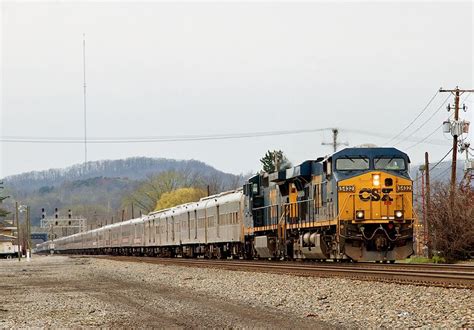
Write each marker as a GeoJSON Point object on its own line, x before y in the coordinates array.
{"type": "Point", "coordinates": [99, 189]}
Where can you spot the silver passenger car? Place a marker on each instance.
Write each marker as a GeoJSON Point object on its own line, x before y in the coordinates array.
{"type": "Point", "coordinates": [211, 227]}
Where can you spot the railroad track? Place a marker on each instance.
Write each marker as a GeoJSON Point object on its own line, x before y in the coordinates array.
{"type": "Point", "coordinates": [450, 276]}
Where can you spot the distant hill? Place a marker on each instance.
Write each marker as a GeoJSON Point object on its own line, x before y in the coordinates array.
{"type": "Point", "coordinates": [98, 188]}
{"type": "Point", "coordinates": [441, 173]}
{"type": "Point", "coordinates": [136, 168]}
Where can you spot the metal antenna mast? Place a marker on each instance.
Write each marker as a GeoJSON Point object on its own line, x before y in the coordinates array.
{"type": "Point", "coordinates": [85, 107]}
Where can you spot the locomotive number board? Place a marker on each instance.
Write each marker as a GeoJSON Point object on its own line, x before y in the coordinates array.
{"type": "Point", "coordinates": [346, 189]}
{"type": "Point", "coordinates": [404, 188]}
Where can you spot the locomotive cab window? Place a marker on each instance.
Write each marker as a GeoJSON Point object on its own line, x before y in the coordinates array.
{"type": "Point", "coordinates": [390, 163]}
{"type": "Point", "coordinates": [352, 164]}
{"type": "Point", "coordinates": [327, 168]}
{"type": "Point", "coordinates": [255, 189]}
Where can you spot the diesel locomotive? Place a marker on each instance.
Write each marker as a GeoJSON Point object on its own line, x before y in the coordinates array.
{"type": "Point", "coordinates": [355, 204]}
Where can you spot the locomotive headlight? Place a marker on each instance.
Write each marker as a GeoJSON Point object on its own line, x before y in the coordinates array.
{"type": "Point", "coordinates": [398, 214]}
{"type": "Point", "coordinates": [360, 214]}
{"type": "Point", "coordinates": [376, 180]}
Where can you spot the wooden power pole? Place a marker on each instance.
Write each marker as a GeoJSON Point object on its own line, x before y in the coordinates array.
{"type": "Point", "coordinates": [428, 204]}
{"type": "Point", "coordinates": [17, 217]}
{"type": "Point", "coordinates": [455, 132]}
{"type": "Point", "coordinates": [335, 143]}
{"type": "Point", "coordinates": [28, 228]}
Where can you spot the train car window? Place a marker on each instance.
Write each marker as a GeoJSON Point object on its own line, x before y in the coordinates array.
{"type": "Point", "coordinates": [210, 221]}
{"type": "Point", "coordinates": [389, 163]}
{"type": "Point", "coordinates": [352, 163]}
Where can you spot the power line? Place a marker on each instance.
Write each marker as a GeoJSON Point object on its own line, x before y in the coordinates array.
{"type": "Point", "coordinates": [441, 159]}
{"type": "Point", "coordinates": [441, 173]}
{"type": "Point", "coordinates": [426, 137]}
{"type": "Point", "coordinates": [183, 138]}
{"type": "Point", "coordinates": [411, 123]}
{"type": "Point", "coordinates": [335, 143]}
{"type": "Point", "coordinates": [434, 166]}
{"type": "Point", "coordinates": [159, 138]}
{"type": "Point", "coordinates": [457, 92]}
{"type": "Point", "coordinates": [425, 122]}
{"type": "Point", "coordinates": [466, 97]}
{"type": "Point", "coordinates": [436, 129]}
{"type": "Point", "coordinates": [382, 135]}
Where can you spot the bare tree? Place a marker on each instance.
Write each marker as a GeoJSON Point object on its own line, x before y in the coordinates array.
{"type": "Point", "coordinates": [451, 226]}
{"type": "Point", "coordinates": [149, 192]}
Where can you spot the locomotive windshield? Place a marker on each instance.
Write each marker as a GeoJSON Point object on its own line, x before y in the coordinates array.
{"type": "Point", "coordinates": [357, 163]}
{"type": "Point", "coordinates": [390, 163]}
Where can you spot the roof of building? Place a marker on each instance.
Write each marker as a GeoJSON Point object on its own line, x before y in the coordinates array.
{"type": "Point", "coordinates": [6, 238]}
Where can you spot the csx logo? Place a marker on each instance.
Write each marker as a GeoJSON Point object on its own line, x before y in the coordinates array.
{"type": "Point", "coordinates": [367, 194]}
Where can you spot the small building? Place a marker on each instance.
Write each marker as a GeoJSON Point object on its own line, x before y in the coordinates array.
{"type": "Point", "coordinates": [8, 244]}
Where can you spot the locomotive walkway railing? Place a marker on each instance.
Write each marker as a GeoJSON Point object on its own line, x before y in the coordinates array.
{"type": "Point", "coordinates": [292, 214]}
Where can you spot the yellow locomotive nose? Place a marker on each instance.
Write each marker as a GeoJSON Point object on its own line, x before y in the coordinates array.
{"type": "Point", "coordinates": [375, 196]}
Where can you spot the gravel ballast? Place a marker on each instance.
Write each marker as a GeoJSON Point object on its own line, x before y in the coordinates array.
{"type": "Point", "coordinates": [69, 292]}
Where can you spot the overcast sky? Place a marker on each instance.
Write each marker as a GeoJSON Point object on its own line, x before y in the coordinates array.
{"type": "Point", "coordinates": [167, 69]}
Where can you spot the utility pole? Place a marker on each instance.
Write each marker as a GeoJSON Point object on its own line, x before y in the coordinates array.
{"type": "Point", "coordinates": [428, 204]}
{"type": "Point", "coordinates": [17, 230]}
{"type": "Point", "coordinates": [456, 130]}
{"type": "Point", "coordinates": [28, 230]}
{"type": "Point", "coordinates": [418, 223]}
{"type": "Point", "coordinates": [334, 143]}
{"type": "Point", "coordinates": [423, 205]}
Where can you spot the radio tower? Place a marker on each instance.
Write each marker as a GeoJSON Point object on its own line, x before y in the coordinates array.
{"type": "Point", "coordinates": [85, 105]}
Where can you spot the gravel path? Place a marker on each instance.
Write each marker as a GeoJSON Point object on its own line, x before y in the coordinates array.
{"type": "Point", "coordinates": [73, 292]}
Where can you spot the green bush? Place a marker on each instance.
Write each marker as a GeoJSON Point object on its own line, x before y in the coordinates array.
{"type": "Point", "coordinates": [424, 260]}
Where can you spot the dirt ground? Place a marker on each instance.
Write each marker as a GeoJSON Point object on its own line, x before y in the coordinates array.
{"type": "Point", "coordinates": [79, 292]}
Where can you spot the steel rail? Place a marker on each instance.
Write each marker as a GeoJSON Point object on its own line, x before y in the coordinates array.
{"type": "Point", "coordinates": [428, 277]}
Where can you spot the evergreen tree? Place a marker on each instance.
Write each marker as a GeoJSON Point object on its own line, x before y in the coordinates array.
{"type": "Point", "coordinates": [268, 162]}
{"type": "Point", "coordinates": [274, 161]}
